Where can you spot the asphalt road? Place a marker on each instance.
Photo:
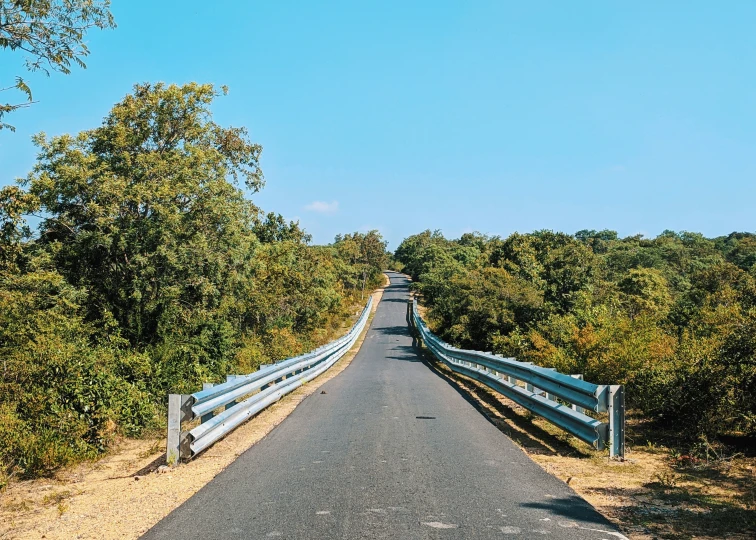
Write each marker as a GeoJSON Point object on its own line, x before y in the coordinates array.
{"type": "Point", "coordinates": [391, 450]}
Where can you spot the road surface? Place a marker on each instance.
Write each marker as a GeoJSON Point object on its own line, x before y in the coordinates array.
{"type": "Point", "coordinates": [390, 450]}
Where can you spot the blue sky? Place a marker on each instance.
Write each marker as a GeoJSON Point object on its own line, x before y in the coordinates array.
{"type": "Point", "coordinates": [468, 115]}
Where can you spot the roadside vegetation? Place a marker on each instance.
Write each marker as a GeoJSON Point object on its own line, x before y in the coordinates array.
{"type": "Point", "coordinates": [673, 318]}
{"type": "Point", "coordinates": [133, 265]}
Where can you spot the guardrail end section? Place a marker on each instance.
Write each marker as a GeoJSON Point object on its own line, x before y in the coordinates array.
{"type": "Point", "coordinates": [179, 410]}
{"type": "Point", "coordinates": [617, 421]}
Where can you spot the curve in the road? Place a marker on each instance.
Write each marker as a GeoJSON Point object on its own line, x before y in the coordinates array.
{"type": "Point", "coordinates": [390, 450]}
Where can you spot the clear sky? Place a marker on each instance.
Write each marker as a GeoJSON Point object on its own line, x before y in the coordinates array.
{"type": "Point", "coordinates": [495, 116]}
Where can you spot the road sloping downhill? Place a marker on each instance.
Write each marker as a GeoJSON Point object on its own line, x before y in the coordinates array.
{"type": "Point", "coordinates": [388, 449]}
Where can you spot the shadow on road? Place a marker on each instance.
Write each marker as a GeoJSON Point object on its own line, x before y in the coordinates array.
{"type": "Point", "coordinates": [404, 353]}
{"type": "Point", "coordinates": [396, 286]}
{"type": "Point", "coordinates": [393, 330]}
{"type": "Point", "coordinates": [571, 508]}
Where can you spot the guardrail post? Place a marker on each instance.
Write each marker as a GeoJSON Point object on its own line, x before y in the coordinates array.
{"type": "Point", "coordinates": [529, 387]}
{"type": "Point", "coordinates": [260, 367]}
{"type": "Point", "coordinates": [231, 378]}
{"type": "Point", "coordinates": [617, 421]}
{"type": "Point", "coordinates": [575, 407]}
{"type": "Point", "coordinates": [498, 373]}
{"type": "Point", "coordinates": [412, 306]}
{"type": "Point", "coordinates": [205, 417]}
{"type": "Point", "coordinates": [551, 397]}
{"type": "Point", "coordinates": [488, 369]}
{"type": "Point", "coordinates": [179, 410]}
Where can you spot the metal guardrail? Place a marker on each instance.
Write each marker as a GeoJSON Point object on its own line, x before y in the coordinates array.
{"type": "Point", "coordinates": [219, 407]}
{"type": "Point", "coordinates": [540, 390]}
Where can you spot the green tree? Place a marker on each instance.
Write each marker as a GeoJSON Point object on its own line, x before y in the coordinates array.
{"type": "Point", "coordinates": [141, 213]}
{"type": "Point", "coordinates": [646, 291]}
{"type": "Point", "coordinates": [65, 391]}
{"type": "Point", "coordinates": [274, 228]}
{"type": "Point", "coordinates": [51, 33]}
{"type": "Point", "coordinates": [743, 252]}
{"type": "Point", "coordinates": [365, 254]}
{"type": "Point", "coordinates": [411, 252]}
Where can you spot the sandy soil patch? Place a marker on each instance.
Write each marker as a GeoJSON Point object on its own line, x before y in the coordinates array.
{"type": "Point", "coordinates": [124, 494]}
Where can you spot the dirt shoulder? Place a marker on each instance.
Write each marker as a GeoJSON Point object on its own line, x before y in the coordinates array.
{"type": "Point", "coordinates": [124, 494]}
{"type": "Point", "coordinates": [653, 494]}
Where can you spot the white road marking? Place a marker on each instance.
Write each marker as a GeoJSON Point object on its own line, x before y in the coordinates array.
{"type": "Point", "coordinates": [573, 525]}
{"type": "Point", "coordinates": [439, 525]}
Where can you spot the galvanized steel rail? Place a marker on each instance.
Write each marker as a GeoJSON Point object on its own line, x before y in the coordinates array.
{"type": "Point", "coordinates": [218, 406]}
{"type": "Point", "coordinates": [540, 390]}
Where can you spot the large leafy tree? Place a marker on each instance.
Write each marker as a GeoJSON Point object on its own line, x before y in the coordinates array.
{"type": "Point", "coordinates": [50, 34]}
{"type": "Point", "coordinates": [144, 212]}
{"type": "Point", "coordinates": [365, 255]}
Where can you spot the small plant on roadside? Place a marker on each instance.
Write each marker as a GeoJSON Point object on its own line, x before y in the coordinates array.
{"type": "Point", "coordinates": [665, 480]}
{"type": "Point", "coordinates": [706, 450]}
{"type": "Point", "coordinates": [56, 498]}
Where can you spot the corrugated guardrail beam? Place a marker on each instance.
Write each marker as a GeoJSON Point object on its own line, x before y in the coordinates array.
{"type": "Point", "coordinates": [263, 388]}
{"type": "Point", "coordinates": [582, 395]}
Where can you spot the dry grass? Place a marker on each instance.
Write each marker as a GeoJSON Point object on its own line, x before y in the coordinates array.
{"type": "Point", "coordinates": [124, 494]}
{"type": "Point", "coordinates": [654, 493]}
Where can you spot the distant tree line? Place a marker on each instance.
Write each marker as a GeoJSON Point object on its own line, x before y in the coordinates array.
{"type": "Point", "coordinates": [673, 318]}
{"type": "Point", "coordinates": [147, 272]}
